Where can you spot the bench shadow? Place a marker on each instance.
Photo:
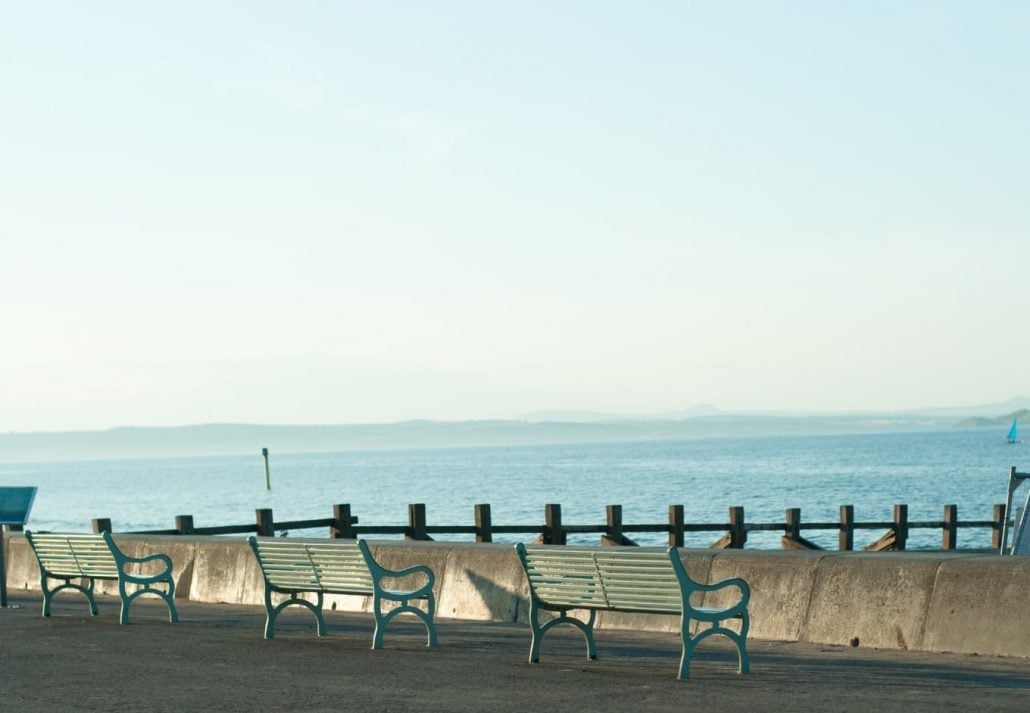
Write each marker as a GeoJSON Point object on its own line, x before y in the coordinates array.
{"type": "Point", "coordinates": [503, 604]}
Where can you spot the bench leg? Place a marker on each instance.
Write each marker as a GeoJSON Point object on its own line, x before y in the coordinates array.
{"type": "Point", "coordinates": [690, 644]}
{"type": "Point", "coordinates": [123, 616]}
{"type": "Point", "coordinates": [168, 597]}
{"type": "Point", "coordinates": [48, 594]}
{"type": "Point", "coordinates": [743, 660]}
{"type": "Point", "coordinates": [405, 608]}
{"type": "Point", "coordinates": [272, 612]}
{"type": "Point", "coordinates": [587, 627]}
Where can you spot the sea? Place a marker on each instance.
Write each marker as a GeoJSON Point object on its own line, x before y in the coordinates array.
{"type": "Point", "coordinates": [766, 475]}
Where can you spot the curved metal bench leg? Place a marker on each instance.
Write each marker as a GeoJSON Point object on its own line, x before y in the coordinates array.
{"type": "Point", "coordinates": [538, 632]}
{"type": "Point", "coordinates": [48, 594]}
{"type": "Point", "coordinates": [272, 612]}
{"type": "Point", "coordinates": [382, 619]}
{"type": "Point", "coordinates": [429, 616]}
{"type": "Point", "coordinates": [687, 647]}
{"type": "Point", "coordinates": [717, 629]}
{"type": "Point", "coordinates": [688, 652]}
{"type": "Point", "coordinates": [124, 616]}
{"type": "Point", "coordinates": [586, 627]}
{"type": "Point", "coordinates": [316, 609]}
{"type": "Point", "coordinates": [127, 598]}
{"type": "Point", "coordinates": [88, 591]}
{"type": "Point", "coordinates": [743, 660]}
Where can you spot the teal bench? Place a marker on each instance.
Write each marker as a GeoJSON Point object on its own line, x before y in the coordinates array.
{"type": "Point", "coordinates": [563, 579]}
{"type": "Point", "coordinates": [338, 567]}
{"type": "Point", "coordinates": [64, 557]}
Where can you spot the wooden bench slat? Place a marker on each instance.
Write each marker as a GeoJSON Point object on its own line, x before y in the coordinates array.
{"type": "Point", "coordinates": [556, 571]}
{"type": "Point", "coordinates": [292, 580]}
{"type": "Point", "coordinates": [644, 589]}
{"type": "Point", "coordinates": [336, 582]}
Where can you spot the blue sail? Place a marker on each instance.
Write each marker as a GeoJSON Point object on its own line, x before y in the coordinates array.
{"type": "Point", "coordinates": [1013, 436]}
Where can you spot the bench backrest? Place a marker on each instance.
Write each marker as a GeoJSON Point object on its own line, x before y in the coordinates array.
{"type": "Point", "coordinates": [563, 576]}
{"type": "Point", "coordinates": [639, 581]}
{"type": "Point", "coordinates": [72, 555]}
{"type": "Point", "coordinates": [606, 579]}
{"type": "Point", "coordinates": [339, 566]}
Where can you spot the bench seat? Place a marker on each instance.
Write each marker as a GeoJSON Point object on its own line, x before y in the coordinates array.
{"type": "Point", "coordinates": [563, 579]}
{"type": "Point", "coordinates": [338, 567]}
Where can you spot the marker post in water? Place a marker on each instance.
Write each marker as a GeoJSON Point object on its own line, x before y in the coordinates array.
{"type": "Point", "coordinates": [268, 477]}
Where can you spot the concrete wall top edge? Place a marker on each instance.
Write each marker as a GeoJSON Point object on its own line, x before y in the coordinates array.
{"type": "Point", "coordinates": [943, 555]}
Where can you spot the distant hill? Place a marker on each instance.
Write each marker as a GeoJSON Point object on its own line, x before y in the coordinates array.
{"type": "Point", "coordinates": [1003, 409]}
{"type": "Point", "coordinates": [599, 416]}
{"type": "Point", "coordinates": [229, 439]}
{"type": "Point", "coordinates": [1022, 415]}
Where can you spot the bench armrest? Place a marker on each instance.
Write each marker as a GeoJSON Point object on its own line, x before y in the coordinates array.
{"type": "Point", "coordinates": [379, 572]}
{"type": "Point", "coordinates": [732, 582]}
{"type": "Point", "coordinates": [745, 590]}
{"type": "Point", "coordinates": [121, 559]}
{"type": "Point", "coordinates": [145, 578]}
{"type": "Point", "coordinates": [384, 573]}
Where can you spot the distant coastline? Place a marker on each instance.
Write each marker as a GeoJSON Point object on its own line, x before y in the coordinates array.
{"type": "Point", "coordinates": [234, 439]}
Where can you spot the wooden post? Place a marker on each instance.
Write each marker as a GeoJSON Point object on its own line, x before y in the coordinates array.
{"type": "Point", "coordinates": [613, 514]}
{"type": "Point", "coordinates": [484, 523]}
{"type": "Point", "coordinates": [265, 523]}
{"type": "Point", "coordinates": [553, 532]}
{"type": "Point", "coordinates": [417, 522]}
{"type": "Point", "coordinates": [614, 537]}
{"type": "Point", "coordinates": [846, 537]}
{"type": "Point", "coordinates": [268, 476]}
{"type": "Point", "coordinates": [900, 526]}
{"type": "Point", "coordinates": [792, 539]}
{"type": "Point", "coordinates": [949, 538]}
{"type": "Point", "coordinates": [184, 524]}
{"type": "Point", "coordinates": [792, 526]}
{"type": "Point", "coordinates": [343, 523]}
{"type": "Point", "coordinates": [101, 524]}
{"type": "Point", "coordinates": [998, 527]}
{"type": "Point", "coordinates": [675, 526]}
{"type": "Point", "coordinates": [738, 533]}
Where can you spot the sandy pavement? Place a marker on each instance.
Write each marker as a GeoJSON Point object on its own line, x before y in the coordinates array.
{"type": "Point", "coordinates": [215, 659]}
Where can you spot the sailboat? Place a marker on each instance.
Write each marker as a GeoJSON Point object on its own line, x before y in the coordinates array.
{"type": "Point", "coordinates": [1013, 436]}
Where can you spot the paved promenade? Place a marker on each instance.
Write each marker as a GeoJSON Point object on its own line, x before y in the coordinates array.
{"type": "Point", "coordinates": [215, 659]}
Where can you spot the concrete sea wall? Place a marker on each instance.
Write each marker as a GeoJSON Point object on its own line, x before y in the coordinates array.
{"type": "Point", "coordinates": [921, 601]}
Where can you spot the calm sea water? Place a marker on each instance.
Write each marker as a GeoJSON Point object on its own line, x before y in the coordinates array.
{"type": "Point", "coordinates": [926, 470]}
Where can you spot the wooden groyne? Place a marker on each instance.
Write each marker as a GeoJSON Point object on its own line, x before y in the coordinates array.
{"type": "Point", "coordinates": [732, 534]}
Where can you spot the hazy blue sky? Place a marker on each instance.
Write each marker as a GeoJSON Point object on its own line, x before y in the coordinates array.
{"type": "Point", "coordinates": [329, 212]}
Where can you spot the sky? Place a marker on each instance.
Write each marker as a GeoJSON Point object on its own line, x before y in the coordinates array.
{"type": "Point", "coordinates": [352, 212]}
